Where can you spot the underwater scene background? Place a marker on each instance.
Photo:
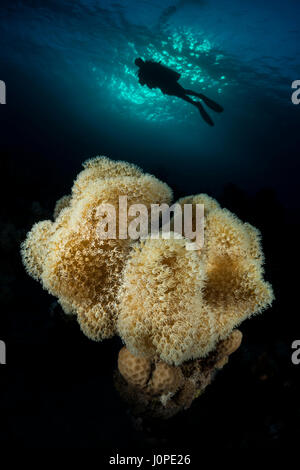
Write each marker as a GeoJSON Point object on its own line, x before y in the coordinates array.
{"type": "Point", "coordinates": [72, 93]}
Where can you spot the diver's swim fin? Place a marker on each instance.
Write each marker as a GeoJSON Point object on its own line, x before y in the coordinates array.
{"type": "Point", "coordinates": [211, 104]}
{"type": "Point", "coordinates": [204, 114]}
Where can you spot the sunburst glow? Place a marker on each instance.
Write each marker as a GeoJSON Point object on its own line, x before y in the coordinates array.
{"type": "Point", "coordinates": [192, 55]}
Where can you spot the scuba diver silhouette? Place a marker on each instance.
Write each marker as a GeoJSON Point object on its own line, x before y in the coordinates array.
{"type": "Point", "coordinates": [155, 75]}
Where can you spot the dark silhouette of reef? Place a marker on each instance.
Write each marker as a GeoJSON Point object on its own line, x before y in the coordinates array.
{"type": "Point", "coordinates": [57, 390]}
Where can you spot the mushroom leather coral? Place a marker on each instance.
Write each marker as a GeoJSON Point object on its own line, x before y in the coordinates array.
{"type": "Point", "coordinates": [170, 389]}
{"type": "Point", "coordinates": [234, 287]}
{"type": "Point", "coordinates": [166, 302]}
{"type": "Point", "coordinates": [68, 257]}
{"type": "Point", "coordinates": [162, 312]}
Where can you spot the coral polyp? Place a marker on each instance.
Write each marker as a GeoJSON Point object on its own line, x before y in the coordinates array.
{"type": "Point", "coordinates": [169, 305]}
{"type": "Point", "coordinates": [170, 389]}
{"type": "Point", "coordinates": [68, 258]}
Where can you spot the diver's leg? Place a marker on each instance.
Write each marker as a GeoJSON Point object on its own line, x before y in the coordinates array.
{"type": "Point", "coordinates": [203, 113]}
{"type": "Point", "coordinates": [210, 103]}
{"type": "Point", "coordinates": [192, 93]}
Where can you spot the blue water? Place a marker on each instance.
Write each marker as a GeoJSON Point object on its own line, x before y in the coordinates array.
{"type": "Point", "coordinates": [72, 90]}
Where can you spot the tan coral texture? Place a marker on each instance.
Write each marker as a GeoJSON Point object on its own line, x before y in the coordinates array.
{"type": "Point", "coordinates": [166, 302]}
{"type": "Point", "coordinates": [69, 258]}
{"type": "Point", "coordinates": [61, 204]}
{"type": "Point", "coordinates": [234, 288]}
{"type": "Point", "coordinates": [165, 379]}
{"type": "Point", "coordinates": [135, 370]}
{"type": "Point", "coordinates": [170, 389]}
{"type": "Point", "coordinates": [161, 302]}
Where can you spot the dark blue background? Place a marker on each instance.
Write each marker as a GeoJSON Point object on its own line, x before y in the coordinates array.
{"type": "Point", "coordinates": [72, 94]}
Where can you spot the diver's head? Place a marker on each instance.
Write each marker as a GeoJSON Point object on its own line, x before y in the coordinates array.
{"type": "Point", "coordinates": [139, 62]}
